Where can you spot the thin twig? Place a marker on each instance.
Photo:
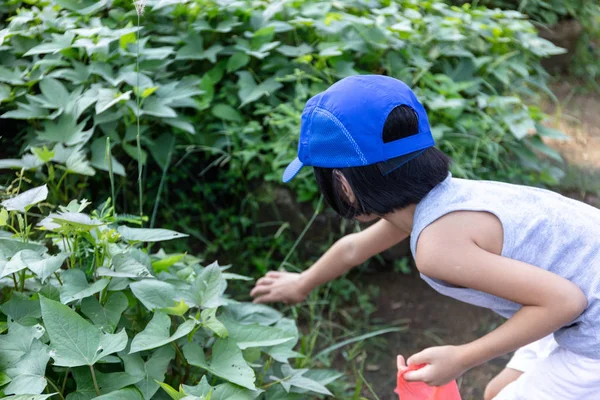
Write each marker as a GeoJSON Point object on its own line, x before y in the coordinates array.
{"type": "Point", "coordinates": [308, 225]}
{"type": "Point", "coordinates": [94, 379]}
{"type": "Point", "coordinates": [138, 141]}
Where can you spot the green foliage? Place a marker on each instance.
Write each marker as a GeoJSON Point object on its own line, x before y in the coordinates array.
{"type": "Point", "coordinates": [221, 90]}
{"type": "Point", "coordinates": [87, 316]}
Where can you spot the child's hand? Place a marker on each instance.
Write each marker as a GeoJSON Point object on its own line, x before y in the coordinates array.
{"type": "Point", "coordinates": [284, 287]}
{"type": "Point", "coordinates": [444, 364]}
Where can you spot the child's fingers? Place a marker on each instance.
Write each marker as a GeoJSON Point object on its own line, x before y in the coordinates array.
{"type": "Point", "coordinates": [259, 290]}
{"type": "Point", "coordinates": [400, 363]}
{"type": "Point", "coordinates": [419, 375]}
{"type": "Point", "coordinates": [267, 298]}
{"type": "Point", "coordinates": [264, 281]}
{"type": "Point", "coordinates": [274, 274]}
{"type": "Point", "coordinates": [421, 357]}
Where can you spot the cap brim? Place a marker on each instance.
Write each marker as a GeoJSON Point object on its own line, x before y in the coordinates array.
{"type": "Point", "coordinates": [386, 167]}
{"type": "Point", "coordinates": [292, 170]}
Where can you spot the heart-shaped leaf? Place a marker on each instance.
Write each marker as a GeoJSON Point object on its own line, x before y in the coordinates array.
{"type": "Point", "coordinates": [227, 362]}
{"type": "Point", "coordinates": [208, 288]}
{"type": "Point", "coordinates": [73, 340]}
{"type": "Point", "coordinates": [106, 317]}
{"type": "Point", "coordinates": [126, 266]}
{"type": "Point", "coordinates": [152, 371]}
{"type": "Point", "coordinates": [28, 374]}
{"type": "Point", "coordinates": [156, 333]}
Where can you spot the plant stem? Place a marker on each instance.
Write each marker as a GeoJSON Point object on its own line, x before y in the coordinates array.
{"type": "Point", "coordinates": [138, 142]}
{"type": "Point", "coordinates": [15, 281]}
{"type": "Point", "coordinates": [58, 278]}
{"type": "Point", "coordinates": [111, 175]}
{"type": "Point", "coordinates": [22, 276]}
{"type": "Point", "coordinates": [64, 385]}
{"type": "Point", "coordinates": [55, 388]}
{"type": "Point", "coordinates": [94, 379]}
{"type": "Point", "coordinates": [299, 239]}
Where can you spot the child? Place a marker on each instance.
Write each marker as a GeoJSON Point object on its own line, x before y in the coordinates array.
{"type": "Point", "coordinates": [530, 255]}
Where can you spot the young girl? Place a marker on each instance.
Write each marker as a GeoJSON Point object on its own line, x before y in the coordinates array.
{"type": "Point", "coordinates": [530, 255]}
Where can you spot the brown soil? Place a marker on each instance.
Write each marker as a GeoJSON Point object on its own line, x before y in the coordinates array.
{"type": "Point", "coordinates": [433, 320]}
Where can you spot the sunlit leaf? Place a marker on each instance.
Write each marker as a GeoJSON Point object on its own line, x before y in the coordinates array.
{"type": "Point", "coordinates": [148, 235]}
{"type": "Point", "coordinates": [210, 321]}
{"type": "Point", "coordinates": [27, 199]}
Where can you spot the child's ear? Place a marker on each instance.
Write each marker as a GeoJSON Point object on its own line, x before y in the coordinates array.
{"type": "Point", "coordinates": [345, 187]}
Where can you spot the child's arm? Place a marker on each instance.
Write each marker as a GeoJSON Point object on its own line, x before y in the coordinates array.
{"type": "Point", "coordinates": [346, 253]}
{"type": "Point", "coordinates": [455, 256]}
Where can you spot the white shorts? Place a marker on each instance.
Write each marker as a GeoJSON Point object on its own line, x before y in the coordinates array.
{"type": "Point", "coordinates": [551, 372]}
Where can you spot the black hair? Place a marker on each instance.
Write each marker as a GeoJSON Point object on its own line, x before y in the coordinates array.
{"type": "Point", "coordinates": [380, 194]}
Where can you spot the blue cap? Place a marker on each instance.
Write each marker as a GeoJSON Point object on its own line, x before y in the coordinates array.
{"type": "Point", "coordinates": [343, 126]}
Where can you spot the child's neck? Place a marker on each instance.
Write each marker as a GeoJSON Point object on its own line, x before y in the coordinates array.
{"type": "Point", "coordinates": [403, 218]}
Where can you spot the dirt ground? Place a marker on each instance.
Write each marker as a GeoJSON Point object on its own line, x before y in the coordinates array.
{"type": "Point", "coordinates": [434, 319]}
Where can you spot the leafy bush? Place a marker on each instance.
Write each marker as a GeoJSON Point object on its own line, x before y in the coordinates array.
{"type": "Point", "coordinates": [222, 86]}
{"type": "Point", "coordinates": [120, 322]}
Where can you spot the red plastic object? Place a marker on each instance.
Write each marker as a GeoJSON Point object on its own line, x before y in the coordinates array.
{"type": "Point", "coordinates": [421, 391]}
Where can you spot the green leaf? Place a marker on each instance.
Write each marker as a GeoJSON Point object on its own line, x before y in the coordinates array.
{"type": "Point", "coordinates": [178, 309]}
{"type": "Point", "coordinates": [99, 159]}
{"type": "Point", "coordinates": [75, 286]}
{"type": "Point", "coordinates": [226, 112]}
{"type": "Point", "coordinates": [227, 362]}
{"type": "Point", "coordinates": [54, 92]}
{"type": "Point", "coordinates": [237, 61]}
{"type": "Point", "coordinates": [294, 377]}
{"type": "Point", "coordinates": [247, 336]}
{"type": "Point", "coordinates": [210, 321]}
{"type": "Point", "coordinates": [156, 294]}
{"type": "Point", "coordinates": [73, 340]}
{"type": "Point", "coordinates": [208, 288]}
{"type": "Point", "coordinates": [22, 310]}
{"type": "Point", "coordinates": [3, 217]}
{"type": "Point", "coordinates": [65, 130]}
{"type": "Point", "coordinates": [550, 132]}
{"type": "Point", "coordinates": [126, 265]}
{"type": "Point", "coordinates": [14, 265]}
{"type": "Point", "coordinates": [108, 98]}
{"type": "Point", "coordinates": [295, 51]}
{"type": "Point", "coordinates": [4, 379]}
{"type": "Point", "coordinates": [107, 317]}
{"type": "Point", "coordinates": [12, 77]}
{"type": "Point", "coordinates": [181, 124]}
{"type": "Point", "coordinates": [153, 370]}
{"type": "Point", "coordinates": [27, 199]}
{"type": "Point", "coordinates": [59, 42]}
{"type": "Point", "coordinates": [162, 149]}
{"type": "Point", "coordinates": [148, 235]}
{"type": "Point", "coordinates": [538, 144]}
{"type": "Point", "coordinates": [164, 264]}
{"type": "Point", "coordinates": [285, 351]}
{"type": "Point", "coordinates": [31, 397]}
{"type": "Point", "coordinates": [224, 391]}
{"type": "Point", "coordinates": [249, 313]}
{"type": "Point", "coordinates": [123, 394]}
{"type": "Point", "coordinates": [17, 342]}
{"type": "Point", "coordinates": [5, 92]}
{"type": "Point", "coordinates": [174, 394]}
{"type": "Point", "coordinates": [82, 7]}
{"type": "Point", "coordinates": [156, 333]}
{"type": "Point", "coordinates": [43, 267]}
{"type": "Point", "coordinates": [77, 163]}
{"type": "Point", "coordinates": [28, 374]}
{"type": "Point", "coordinates": [158, 107]}
{"type": "Point", "coordinates": [250, 91]}
{"type": "Point", "coordinates": [193, 48]}
{"type": "Point", "coordinates": [43, 154]}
